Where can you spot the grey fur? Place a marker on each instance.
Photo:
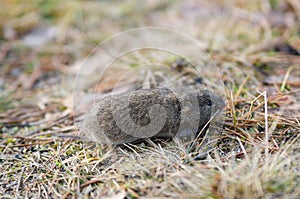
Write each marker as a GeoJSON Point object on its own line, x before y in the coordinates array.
{"type": "Point", "coordinates": [182, 112]}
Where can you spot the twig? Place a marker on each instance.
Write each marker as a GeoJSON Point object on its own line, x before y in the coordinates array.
{"type": "Point", "coordinates": [20, 180]}
{"type": "Point", "coordinates": [286, 78]}
{"type": "Point", "coordinates": [264, 94]}
{"type": "Point", "coordinates": [92, 181]}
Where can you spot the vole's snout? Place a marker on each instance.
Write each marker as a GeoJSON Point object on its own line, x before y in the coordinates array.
{"type": "Point", "coordinates": [218, 102]}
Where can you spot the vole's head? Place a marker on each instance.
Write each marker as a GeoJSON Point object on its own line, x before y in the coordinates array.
{"type": "Point", "coordinates": [210, 102]}
{"type": "Point", "coordinates": [211, 106]}
{"type": "Point", "coordinates": [198, 108]}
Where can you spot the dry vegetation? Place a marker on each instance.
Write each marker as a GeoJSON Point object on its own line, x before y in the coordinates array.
{"type": "Point", "coordinates": [254, 43]}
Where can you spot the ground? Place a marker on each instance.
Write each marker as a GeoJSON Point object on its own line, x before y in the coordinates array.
{"type": "Point", "coordinates": [253, 45]}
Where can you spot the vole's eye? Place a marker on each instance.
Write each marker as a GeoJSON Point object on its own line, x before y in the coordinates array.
{"type": "Point", "coordinates": [209, 103]}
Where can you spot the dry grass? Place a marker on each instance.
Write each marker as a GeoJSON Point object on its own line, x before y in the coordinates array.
{"type": "Point", "coordinates": [244, 162]}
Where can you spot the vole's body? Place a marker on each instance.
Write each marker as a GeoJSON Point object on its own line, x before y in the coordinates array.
{"type": "Point", "coordinates": [100, 123]}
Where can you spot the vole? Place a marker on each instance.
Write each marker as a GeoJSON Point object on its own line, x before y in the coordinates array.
{"type": "Point", "coordinates": [150, 113]}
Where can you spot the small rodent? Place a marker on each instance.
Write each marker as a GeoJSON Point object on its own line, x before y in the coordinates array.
{"type": "Point", "coordinates": [158, 112]}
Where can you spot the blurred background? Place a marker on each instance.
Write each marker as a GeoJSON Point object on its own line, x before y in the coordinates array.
{"type": "Point", "coordinates": [254, 44]}
{"type": "Point", "coordinates": [42, 42]}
